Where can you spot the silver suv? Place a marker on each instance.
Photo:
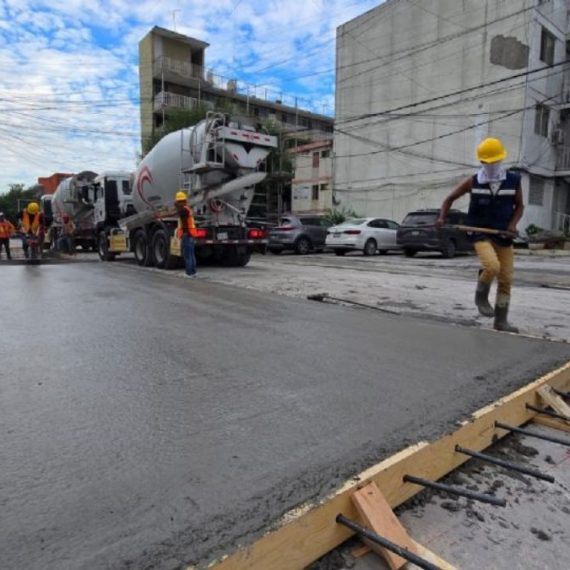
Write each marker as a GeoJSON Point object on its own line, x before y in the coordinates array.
{"type": "Point", "coordinates": [299, 233]}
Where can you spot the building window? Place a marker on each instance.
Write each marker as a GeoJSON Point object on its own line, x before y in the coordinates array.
{"type": "Point", "coordinates": [547, 42]}
{"type": "Point", "coordinates": [325, 153]}
{"type": "Point", "coordinates": [316, 157]}
{"type": "Point", "coordinates": [541, 116]}
{"type": "Point", "coordinates": [315, 192]}
{"type": "Point", "coordinates": [536, 191]}
{"type": "Point", "coordinates": [324, 187]}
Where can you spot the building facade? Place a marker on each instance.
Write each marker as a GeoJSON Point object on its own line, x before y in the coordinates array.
{"type": "Point", "coordinates": [49, 184]}
{"type": "Point", "coordinates": [311, 188]}
{"type": "Point", "coordinates": [420, 84]}
{"type": "Point", "coordinates": [174, 76]}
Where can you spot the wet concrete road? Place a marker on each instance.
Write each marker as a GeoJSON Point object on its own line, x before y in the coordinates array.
{"type": "Point", "coordinates": [147, 421]}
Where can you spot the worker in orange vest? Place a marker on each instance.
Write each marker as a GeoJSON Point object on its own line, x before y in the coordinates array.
{"type": "Point", "coordinates": [31, 224]}
{"type": "Point", "coordinates": [186, 231]}
{"type": "Point", "coordinates": [6, 231]}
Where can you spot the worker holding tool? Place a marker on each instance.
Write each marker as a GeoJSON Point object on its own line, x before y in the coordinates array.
{"type": "Point", "coordinates": [67, 237]}
{"type": "Point", "coordinates": [186, 231]}
{"type": "Point", "coordinates": [496, 203]}
{"type": "Point", "coordinates": [6, 231]}
{"type": "Point", "coordinates": [31, 224]}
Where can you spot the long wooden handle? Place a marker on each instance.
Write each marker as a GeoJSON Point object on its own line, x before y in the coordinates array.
{"type": "Point", "coordinates": [489, 231]}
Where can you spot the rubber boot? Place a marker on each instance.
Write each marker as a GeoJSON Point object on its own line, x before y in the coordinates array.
{"type": "Point", "coordinates": [501, 314]}
{"type": "Point", "coordinates": [482, 299]}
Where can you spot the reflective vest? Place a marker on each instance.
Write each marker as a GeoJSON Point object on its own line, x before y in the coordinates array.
{"type": "Point", "coordinates": [190, 224]}
{"type": "Point", "coordinates": [31, 223]}
{"type": "Point", "coordinates": [6, 229]}
{"type": "Point", "coordinates": [488, 209]}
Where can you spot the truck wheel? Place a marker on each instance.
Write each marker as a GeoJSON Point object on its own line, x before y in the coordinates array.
{"type": "Point", "coordinates": [141, 249]}
{"type": "Point", "coordinates": [234, 258]}
{"type": "Point", "coordinates": [161, 251]}
{"type": "Point", "coordinates": [103, 248]}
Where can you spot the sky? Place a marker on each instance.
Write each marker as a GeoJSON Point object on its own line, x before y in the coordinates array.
{"type": "Point", "coordinates": [69, 90]}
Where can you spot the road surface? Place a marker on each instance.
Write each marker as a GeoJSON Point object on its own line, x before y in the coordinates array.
{"type": "Point", "coordinates": [150, 421]}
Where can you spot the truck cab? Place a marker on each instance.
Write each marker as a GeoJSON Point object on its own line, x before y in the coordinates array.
{"type": "Point", "coordinates": [112, 198]}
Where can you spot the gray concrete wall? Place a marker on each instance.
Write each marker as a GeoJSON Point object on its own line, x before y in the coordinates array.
{"type": "Point", "coordinates": [402, 53]}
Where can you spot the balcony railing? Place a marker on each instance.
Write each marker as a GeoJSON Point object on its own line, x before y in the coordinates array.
{"type": "Point", "coordinates": [164, 99]}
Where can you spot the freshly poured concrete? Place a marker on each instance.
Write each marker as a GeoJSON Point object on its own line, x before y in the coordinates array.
{"type": "Point", "coordinates": [149, 421]}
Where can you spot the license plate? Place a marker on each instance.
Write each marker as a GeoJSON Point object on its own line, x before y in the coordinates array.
{"type": "Point", "coordinates": [415, 233]}
{"type": "Point", "coordinates": [223, 235]}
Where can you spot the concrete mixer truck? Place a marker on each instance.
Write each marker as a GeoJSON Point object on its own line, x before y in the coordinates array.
{"type": "Point", "coordinates": [217, 162]}
{"type": "Point", "coordinates": [90, 199]}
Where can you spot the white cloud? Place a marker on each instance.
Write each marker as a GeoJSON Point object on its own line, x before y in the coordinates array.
{"type": "Point", "coordinates": [69, 69]}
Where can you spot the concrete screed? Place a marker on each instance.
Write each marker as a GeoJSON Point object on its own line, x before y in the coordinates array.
{"type": "Point", "coordinates": [161, 421]}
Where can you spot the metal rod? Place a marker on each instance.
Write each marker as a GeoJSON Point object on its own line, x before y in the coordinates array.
{"type": "Point", "coordinates": [548, 413]}
{"type": "Point", "coordinates": [533, 434]}
{"type": "Point", "coordinates": [385, 543]}
{"type": "Point", "coordinates": [506, 464]}
{"type": "Point", "coordinates": [561, 393]}
{"type": "Point", "coordinates": [483, 497]}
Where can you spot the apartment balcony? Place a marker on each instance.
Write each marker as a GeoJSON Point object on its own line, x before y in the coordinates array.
{"type": "Point", "coordinates": [166, 100]}
{"type": "Point", "coordinates": [563, 161]}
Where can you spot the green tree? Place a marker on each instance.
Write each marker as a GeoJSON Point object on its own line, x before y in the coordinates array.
{"type": "Point", "coordinates": [9, 200]}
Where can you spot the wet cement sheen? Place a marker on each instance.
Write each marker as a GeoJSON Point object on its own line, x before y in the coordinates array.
{"type": "Point", "coordinates": [148, 421]}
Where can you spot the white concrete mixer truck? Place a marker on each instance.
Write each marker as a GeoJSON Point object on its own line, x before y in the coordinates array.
{"type": "Point", "coordinates": [90, 199]}
{"type": "Point", "coordinates": [217, 162]}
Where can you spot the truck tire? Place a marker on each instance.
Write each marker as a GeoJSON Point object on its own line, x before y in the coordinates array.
{"type": "Point", "coordinates": [235, 258]}
{"type": "Point", "coordinates": [141, 249]}
{"type": "Point", "coordinates": [161, 251]}
{"type": "Point", "coordinates": [103, 248]}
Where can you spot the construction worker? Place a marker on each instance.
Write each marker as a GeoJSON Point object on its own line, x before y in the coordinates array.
{"type": "Point", "coordinates": [6, 231]}
{"type": "Point", "coordinates": [186, 231]}
{"type": "Point", "coordinates": [31, 224]}
{"type": "Point", "coordinates": [496, 202]}
{"type": "Point", "coordinates": [67, 243]}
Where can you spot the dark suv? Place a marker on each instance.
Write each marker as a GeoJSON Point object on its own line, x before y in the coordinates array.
{"type": "Point", "coordinates": [300, 233]}
{"type": "Point", "coordinates": [418, 232]}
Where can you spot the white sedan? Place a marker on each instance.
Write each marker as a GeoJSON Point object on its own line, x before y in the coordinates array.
{"type": "Point", "coordinates": [368, 235]}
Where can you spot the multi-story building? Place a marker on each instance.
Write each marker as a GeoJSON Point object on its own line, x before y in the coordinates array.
{"type": "Point", "coordinates": [420, 84]}
{"type": "Point", "coordinates": [312, 184]}
{"type": "Point", "coordinates": [49, 184]}
{"type": "Point", "coordinates": [173, 76]}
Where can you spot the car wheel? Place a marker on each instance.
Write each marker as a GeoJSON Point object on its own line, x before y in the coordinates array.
{"type": "Point", "coordinates": [450, 249]}
{"type": "Point", "coordinates": [303, 246]}
{"type": "Point", "coordinates": [340, 251]}
{"type": "Point", "coordinates": [410, 252]}
{"type": "Point", "coordinates": [370, 247]}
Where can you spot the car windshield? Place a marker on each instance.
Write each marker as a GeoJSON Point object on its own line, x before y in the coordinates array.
{"type": "Point", "coordinates": [355, 222]}
{"type": "Point", "coordinates": [427, 219]}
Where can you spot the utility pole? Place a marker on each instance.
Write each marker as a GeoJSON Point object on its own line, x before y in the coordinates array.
{"type": "Point", "coordinates": [174, 18]}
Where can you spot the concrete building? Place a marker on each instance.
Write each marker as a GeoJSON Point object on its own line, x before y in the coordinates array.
{"type": "Point", "coordinates": [420, 84]}
{"type": "Point", "coordinates": [49, 184]}
{"type": "Point", "coordinates": [311, 188]}
{"type": "Point", "coordinates": [174, 76]}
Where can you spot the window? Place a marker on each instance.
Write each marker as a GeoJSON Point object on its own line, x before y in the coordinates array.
{"type": "Point", "coordinates": [547, 42]}
{"type": "Point", "coordinates": [315, 188]}
{"type": "Point", "coordinates": [536, 191]}
{"type": "Point", "coordinates": [541, 116]}
{"type": "Point", "coordinates": [325, 153]}
{"type": "Point", "coordinates": [377, 224]}
{"type": "Point", "coordinates": [126, 187]}
{"type": "Point", "coordinates": [392, 225]}
{"type": "Point", "coordinates": [316, 157]}
{"type": "Point", "coordinates": [324, 187]}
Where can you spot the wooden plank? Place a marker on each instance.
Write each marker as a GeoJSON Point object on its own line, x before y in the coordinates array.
{"type": "Point", "coordinates": [550, 397]}
{"type": "Point", "coordinates": [552, 423]}
{"type": "Point", "coordinates": [376, 514]}
{"type": "Point", "coordinates": [430, 557]}
{"type": "Point", "coordinates": [301, 540]}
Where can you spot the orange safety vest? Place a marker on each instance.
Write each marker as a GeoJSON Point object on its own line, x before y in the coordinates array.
{"type": "Point", "coordinates": [6, 229]}
{"type": "Point", "coordinates": [30, 223]}
{"type": "Point", "coordinates": [191, 224]}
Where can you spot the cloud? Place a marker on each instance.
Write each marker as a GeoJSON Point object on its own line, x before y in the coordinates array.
{"type": "Point", "coordinates": [69, 69]}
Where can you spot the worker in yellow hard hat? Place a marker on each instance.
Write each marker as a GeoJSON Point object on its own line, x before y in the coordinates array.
{"type": "Point", "coordinates": [496, 202]}
{"type": "Point", "coordinates": [31, 224]}
{"type": "Point", "coordinates": [186, 231]}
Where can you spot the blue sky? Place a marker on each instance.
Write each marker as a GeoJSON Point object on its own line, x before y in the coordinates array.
{"type": "Point", "coordinates": [69, 77]}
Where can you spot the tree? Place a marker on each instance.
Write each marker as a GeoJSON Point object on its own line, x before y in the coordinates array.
{"type": "Point", "coordinates": [9, 200]}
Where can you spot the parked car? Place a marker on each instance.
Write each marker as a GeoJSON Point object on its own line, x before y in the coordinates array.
{"type": "Point", "coordinates": [418, 232]}
{"type": "Point", "coordinates": [368, 235]}
{"type": "Point", "coordinates": [301, 234]}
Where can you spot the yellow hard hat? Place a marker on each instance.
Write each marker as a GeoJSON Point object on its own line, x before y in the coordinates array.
{"type": "Point", "coordinates": [181, 196]}
{"type": "Point", "coordinates": [33, 208]}
{"type": "Point", "coordinates": [490, 151]}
